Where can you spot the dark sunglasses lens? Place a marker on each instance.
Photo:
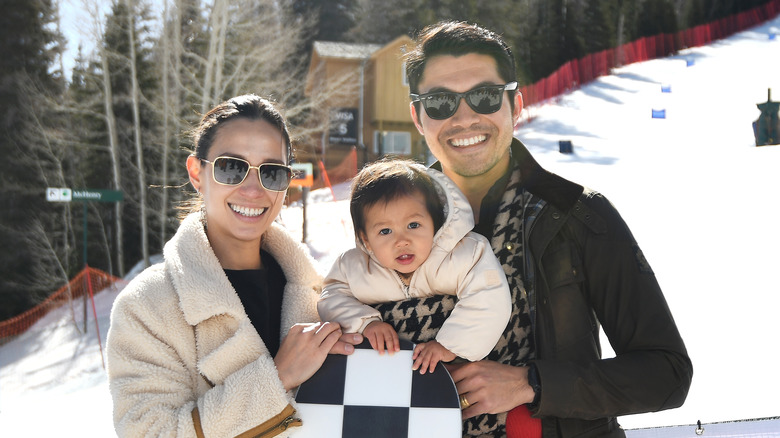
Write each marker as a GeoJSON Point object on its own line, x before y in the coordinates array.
{"type": "Point", "coordinates": [230, 170]}
{"type": "Point", "coordinates": [440, 106]}
{"type": "Point", "coordinates": [275, 177]}
{"type": "Point", "coordinates": [486, 100]}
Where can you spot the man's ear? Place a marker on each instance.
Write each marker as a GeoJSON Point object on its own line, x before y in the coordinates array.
{"type": "Point", "coordinates": [194, 170]}
{"type": "Point", "coordinates": [416, 118]}
{"type": "Point", "coordinates": [518, 108]}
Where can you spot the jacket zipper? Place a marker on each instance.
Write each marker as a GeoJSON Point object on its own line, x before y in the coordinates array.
{"type": "Point", "coordinates": [404, 286]}
{"type": "Point", "coordinates": [276, 427]}
{"type": "Point", "coordinates": [289, 421]}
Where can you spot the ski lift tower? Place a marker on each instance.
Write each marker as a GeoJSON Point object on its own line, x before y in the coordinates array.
{"type": "Point", "coordinates": [767, 127]}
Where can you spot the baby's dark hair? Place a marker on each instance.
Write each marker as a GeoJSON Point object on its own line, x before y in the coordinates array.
{"type": "Point", "coordinates": [389, 179]}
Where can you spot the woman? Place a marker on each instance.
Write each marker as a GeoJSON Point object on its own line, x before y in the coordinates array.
{"type": "Point", "coordinates": [194, 345]}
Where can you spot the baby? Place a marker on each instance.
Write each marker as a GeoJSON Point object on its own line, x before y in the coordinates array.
{"type": "Point", "coordinates": [414, 239]}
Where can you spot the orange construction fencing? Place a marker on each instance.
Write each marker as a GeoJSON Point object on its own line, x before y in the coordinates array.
{"type": "Point", "coordinates": [88, 281]}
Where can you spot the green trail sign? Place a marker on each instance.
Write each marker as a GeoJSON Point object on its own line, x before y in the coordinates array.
{"type": "Point", "coordinates": [66, 194]}
{"type": "Point", "coordinates": [96, 195]}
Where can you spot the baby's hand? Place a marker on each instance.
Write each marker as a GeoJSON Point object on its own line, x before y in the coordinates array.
{"type": "Point", "coordinates": [427, 355]}
{"type": "Point", "coordinates": [381, 334]}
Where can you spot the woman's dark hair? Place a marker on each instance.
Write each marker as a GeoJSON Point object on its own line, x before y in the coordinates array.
{"type": "Point", "coordinates": [389, 179]}
{"type": "Point", "coordinates": [248, 106]}
{"type": "Point", "coordinates": [458, 38]}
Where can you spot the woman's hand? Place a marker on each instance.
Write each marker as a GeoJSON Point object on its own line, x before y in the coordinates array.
{"type": "Point", "coordinates": [346, 344]}
{"type": "Point", "coordinates": [305, 348]}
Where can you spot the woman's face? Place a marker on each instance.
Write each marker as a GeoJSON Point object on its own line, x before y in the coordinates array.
{"type": "Point", "coordinates": [238, 215]}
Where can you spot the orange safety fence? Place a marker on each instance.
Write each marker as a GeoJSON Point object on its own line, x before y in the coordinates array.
{"type": "Point", "coordinates": [341, 173]}
{"type": "Point", "coordinates": [344, 171]}
{"type": "Point", "coordinates": [88, 281]}
{"type": "Point", "coordinates": [578, 72]}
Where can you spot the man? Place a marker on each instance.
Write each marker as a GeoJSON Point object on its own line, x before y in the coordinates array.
{"type": "Point", "coordinates": [571, 261]}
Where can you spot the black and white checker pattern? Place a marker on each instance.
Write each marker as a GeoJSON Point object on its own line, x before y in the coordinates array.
{"type": "Point", "coordinates": [368, 395]}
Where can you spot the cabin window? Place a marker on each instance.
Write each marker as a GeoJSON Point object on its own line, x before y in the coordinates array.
{"type": "Point", "coordinates": [392, 143]}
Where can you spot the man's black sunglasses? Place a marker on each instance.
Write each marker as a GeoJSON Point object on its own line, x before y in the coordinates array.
{"type": "Point", "coordinates": [440, 105]}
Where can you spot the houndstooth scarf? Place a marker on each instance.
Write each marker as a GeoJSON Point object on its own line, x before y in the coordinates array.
{"type": "Point", "coordinates": [419, 319]}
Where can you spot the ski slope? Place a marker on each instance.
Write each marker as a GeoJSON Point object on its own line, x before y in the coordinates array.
{"type": "Point", "coordinates": [700, 198]}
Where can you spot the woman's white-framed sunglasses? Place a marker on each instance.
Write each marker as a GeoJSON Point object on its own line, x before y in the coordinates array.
{"type": "Point", "coordinates": [231, 171]}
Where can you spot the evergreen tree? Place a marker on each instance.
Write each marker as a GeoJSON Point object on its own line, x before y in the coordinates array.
{"type": "Point", "coordinates": [658, 17]}
{"type": "Point", "coordinates": [333, 19]}
{"type": "Point", "coordinates": [600, 25]}
{"type": "Point", "coordinates": [695, 13]}
{"type": "Point", "coordinates": [97, 166]}
{"type": "Point", "coordinates": [29, 45]}
{"type": "Point", "coordinates": [546, 39]}
{"type": "Point", "coordinates": [381, 21]}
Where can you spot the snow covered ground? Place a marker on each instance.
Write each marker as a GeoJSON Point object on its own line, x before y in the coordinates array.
{"type": "Point", "coordinates": [700, 198]}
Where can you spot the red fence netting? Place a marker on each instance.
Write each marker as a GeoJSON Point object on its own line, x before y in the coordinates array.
{"type": "Point", "coordinates": [80, 285]}
{"type": "Point", "coordinates": [579, 72]}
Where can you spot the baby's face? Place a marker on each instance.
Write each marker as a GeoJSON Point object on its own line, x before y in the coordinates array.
{"type": "Point", "coordinates": [399, 233]}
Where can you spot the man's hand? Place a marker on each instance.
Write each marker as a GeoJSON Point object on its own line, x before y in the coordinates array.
{"type": "Point", "coordinates": [381, 334]}
{"type": "Point", "coordinates": [428, 354]}
{"type": "Point", "coordinates": [491, 387]}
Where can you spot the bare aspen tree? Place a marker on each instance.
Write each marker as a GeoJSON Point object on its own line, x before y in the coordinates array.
{"type": "Point", "coordinates": [43, 152]}
{"type": "Point", "coordinates": [113, 137]}
{"type": "Point", "coordinates": [212, 61]}
{"type": "Point", "coordinates": [166, 111]}
{"type": "Point", "coordinates": [139, 150]}
{"type": "Point", "coordinates": [249, 46]}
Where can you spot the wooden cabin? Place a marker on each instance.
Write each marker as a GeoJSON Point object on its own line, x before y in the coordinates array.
{"type": "Point", "coordinates": [364, 96]}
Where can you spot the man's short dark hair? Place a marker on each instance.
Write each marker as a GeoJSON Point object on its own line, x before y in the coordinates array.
{"type": "Point", "coordinates": [458, 38]}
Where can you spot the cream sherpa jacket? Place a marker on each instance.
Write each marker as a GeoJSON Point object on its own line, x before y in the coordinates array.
{"type": "Point", "coordinates": [182, 351]}
{"type": "Point", "coordinates": [461, 263]}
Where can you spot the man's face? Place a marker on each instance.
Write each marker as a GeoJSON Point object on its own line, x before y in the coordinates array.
{"type": "Point", "coordinates": [468, 144]}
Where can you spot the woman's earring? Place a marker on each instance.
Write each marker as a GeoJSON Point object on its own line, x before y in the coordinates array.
{"type": "Point", "coordinates": [203, 219]}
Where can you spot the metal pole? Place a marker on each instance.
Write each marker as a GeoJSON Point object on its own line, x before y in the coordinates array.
{"type": "Point", "coordinates": [304, 197]}
{"type": "Point", "coordinates": [85, 233]}
{"type": "Point", "coordinates": [85, 264]}
{"type": "Point", "coordinates": [360, 111]}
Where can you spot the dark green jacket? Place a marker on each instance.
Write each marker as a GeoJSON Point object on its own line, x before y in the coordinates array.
{"type": "Point", "coordinates": [589, 271]}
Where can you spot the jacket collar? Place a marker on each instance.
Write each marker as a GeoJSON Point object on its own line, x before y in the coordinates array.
{"type": "Point", "coordinates": [203, 288]}
{"type": "Point", "coordinates": [559, 192]}
{"type": "Point", "coordinates": [555, 190]}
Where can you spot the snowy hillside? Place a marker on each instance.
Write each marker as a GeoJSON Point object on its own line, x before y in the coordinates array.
{"type": "Point", "coordinates": [700, 198]}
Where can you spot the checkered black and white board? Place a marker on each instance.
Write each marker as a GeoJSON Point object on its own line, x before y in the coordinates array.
{"type": "Point", "coordinates": [379, 396]}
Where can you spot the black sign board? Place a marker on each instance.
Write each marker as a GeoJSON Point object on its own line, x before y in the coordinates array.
{"type": "Point", "coordinates": [343, 126]}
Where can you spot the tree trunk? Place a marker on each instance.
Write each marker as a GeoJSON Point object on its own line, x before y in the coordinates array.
{"type": "Point", "coordinates": [113, 139]}
{"type": "Point", "coordinates": [218, 11]}
{"type": "Point", "coordinates": [166, 125]}
{"type": "Point", "coordinates": [620, 39]}
{"type": "Point", "coordinates": [139, 152]}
